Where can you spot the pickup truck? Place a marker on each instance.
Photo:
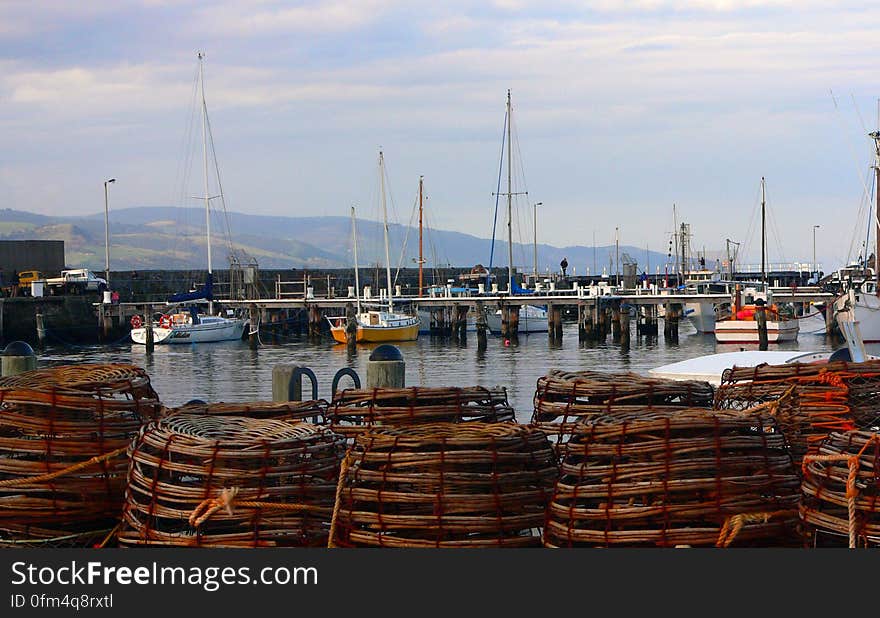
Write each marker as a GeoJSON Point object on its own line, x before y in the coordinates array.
{"type": "Point", "coordinates": [76, 281]}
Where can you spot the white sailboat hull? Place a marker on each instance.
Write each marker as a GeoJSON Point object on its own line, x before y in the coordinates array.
{"type": "Point", "coordinates": [746, 331]}
{"type": "Point", "coordinates": [701, 315]}
{"type": "Point", "coordinates": [865, 309]}
{"type": "Point", "coordinates": [531, 320]}
{"type": "Point", "coordinates": [225, 330]}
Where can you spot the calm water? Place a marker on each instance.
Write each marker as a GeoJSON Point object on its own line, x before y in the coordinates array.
{"type": "Point", "coordinates": [233, 372]}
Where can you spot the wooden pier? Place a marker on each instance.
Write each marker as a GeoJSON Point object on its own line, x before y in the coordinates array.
{"type": "Point", "coordinates": [600, 310]}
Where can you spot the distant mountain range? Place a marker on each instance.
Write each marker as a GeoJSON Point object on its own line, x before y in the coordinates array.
{"type": "Point", "coordinates": [147, 238]}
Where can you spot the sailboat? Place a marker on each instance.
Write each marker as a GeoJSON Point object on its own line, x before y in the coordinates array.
{"type": "Point", "coordinates": [376, 326]}
{"type": "Point", "coordinates": [532, 318]}
{"type": "Point", "coordinates": [192, 326]}
{"type": "Point", "coordinates": [861, 302]}
{"type": "Point", "coordinates": [741, 326]}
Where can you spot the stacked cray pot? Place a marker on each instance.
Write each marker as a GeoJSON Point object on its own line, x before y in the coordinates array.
{"type": "Point", "coordinates": [439, 467]}
{"type": "Point", "coordinates": [64, 432]}
{"type": "Point", "coordinates": [830, 412]}
{"type": "Point", "coordinates": [355, 411]}
{"type": "Point", "coordinates": [564, 401]}
{"type": "Point", "coordinates": [249, 474]}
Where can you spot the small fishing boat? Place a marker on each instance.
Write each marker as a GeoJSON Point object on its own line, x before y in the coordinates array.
{"type": "Point", "coordinates": [375, 326]}
{"type": "Point", "coordinates": [193, 324]}
{"type": "Point", "coordinates": [741, 325]}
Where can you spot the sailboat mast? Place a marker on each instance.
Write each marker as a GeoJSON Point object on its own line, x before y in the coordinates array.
{"type": "Point", "coordinates": [509, 203]}
{"type": "Point", "coordinates": [421, 260]}
{"type": "Point", "coordinates": [876, 137]}
{"type": "Point", "coordinates": [675, 236]}
{"type": "Point", "coordinates": [385, 221]}
{"type": "Point", "coordinates": [354, 241]}
{"type": "Point", "coordinates": [205, 157]}
{"type": "Point", "coordinates": [763, 233]}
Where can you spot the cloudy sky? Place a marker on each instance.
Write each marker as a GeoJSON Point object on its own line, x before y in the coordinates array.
{"type": "Point", "coordinates": [621, 108]}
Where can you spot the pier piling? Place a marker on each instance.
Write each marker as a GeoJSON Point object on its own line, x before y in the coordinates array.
{"type": "Point", "coordinates": [513, 325]}
{"type": "Point", "coordinates": [386, 368]}
{"type": "Point", "coordinates": [148, 333]}
{"type": "Point", "coordinates": [254, 332]}
{"type": "Point", "coordinates": [482, 327]}
{"type": "Point", "coordinates": [41, 330]}
{"type": "Point", "coordinates": [615, 321]}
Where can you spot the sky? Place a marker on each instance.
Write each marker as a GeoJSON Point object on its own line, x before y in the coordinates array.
{"type": "Point", "coordinates": [620, 110]}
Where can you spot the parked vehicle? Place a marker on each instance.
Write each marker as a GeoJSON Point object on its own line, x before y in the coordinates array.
{"type": "Point", "coordinates": [76, 281]}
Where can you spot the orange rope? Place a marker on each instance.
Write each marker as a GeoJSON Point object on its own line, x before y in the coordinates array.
{"type": "Point", "coordinates": [227, 500]}
{"type": "Point", "coordinates": [29, 480]}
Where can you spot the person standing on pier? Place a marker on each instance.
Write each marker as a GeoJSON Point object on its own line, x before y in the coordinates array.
{"type": "Point", "coordinates": [564, 265]}
{"type": "Point", "coordinates": [15, 283]}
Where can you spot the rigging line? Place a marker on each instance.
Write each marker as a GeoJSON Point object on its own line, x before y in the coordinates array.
{"type": "Point", "coordinates": [409, 225]}
{"type": "Point", "coordinates": [497, 195]}
{"type": "Point", "coordinates": [774, 230]}
{"type": "Point", "coordinates": [855, 158]}
{"type": "Point", "coordinates": [220, 186]}
{"type": "Point", "coordinates": [750, 231]}
{"type": "Point", "coordinates": [182, 175]}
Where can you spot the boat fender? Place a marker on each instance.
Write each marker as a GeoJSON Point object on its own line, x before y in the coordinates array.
{"type": "Point", "coordinates": [165, 321]}
{"type": "Point", "coordinates": [136, 321]}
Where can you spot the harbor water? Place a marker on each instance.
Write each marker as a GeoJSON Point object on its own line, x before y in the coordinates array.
{"type": "Point", "coordinates": [232, 371]}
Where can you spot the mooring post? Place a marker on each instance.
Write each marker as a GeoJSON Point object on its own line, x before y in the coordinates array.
{"type": "Point", "coordinates": [41, 330]}
{"type": "Point", "coordinates": [351, 326]}
{"type": "Point", "coordinates": [17, 358]}
{"type": "Point", "coordinates": [386, 368]}
{"type": "Point", "coordinates": [148, 325]}
{"type": "Point", "coordinates": [482, 326]}
{"type": "Point", "coordinates": [761, 320]}
{"type": "Point", "coordinates": [513, 326]}
{"type": "Point", "coordinates": [462, 323]}
{"type": "Point", "coordinates": [254, 327]}
{"type": "Point", "coordinates": [582, 331]}
{"type": "Point", "coordinates": [624, 325]}
{"type": "Point", "coordinates": [829, 318]}
{"type": "Point", "coordinates": [615, 320]}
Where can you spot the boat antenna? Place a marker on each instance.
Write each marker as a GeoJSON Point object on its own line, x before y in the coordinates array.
{"type": "Point", "coordinates": [385, 223]}
{"type": "Point", "coordinates": [354, 240]}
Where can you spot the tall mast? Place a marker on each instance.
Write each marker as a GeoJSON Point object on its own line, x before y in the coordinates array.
{"type": "Point", "coordinates": [763, 233]}
{"type": "Point", "coordinates": [205, 157]}
{"type": "Point", "coordinates": [354, 241]}
{"type": "Point", "coordinates": [509, 203]}
{"type": "Point", "coordinates": [876, 137]}
{"type": "Point", "coordinates": [421, 260]}
{"type": "Point", "coordinates": [385, 222]}
{"type": "Point", "coordinates": [675, 236]}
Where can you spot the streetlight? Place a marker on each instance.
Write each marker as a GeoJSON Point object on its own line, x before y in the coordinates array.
{"type": "Point", "coordinates": [107, 232]}
{"type": "Point", "coordinates": [814, 250]}
{"type": "Point", "coordinates": [535, 206]}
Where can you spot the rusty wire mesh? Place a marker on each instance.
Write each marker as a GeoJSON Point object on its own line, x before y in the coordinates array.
{"type": "Point", "coordinates": [446, 485]}
{"type": "Point", "coordinates": [257, 482]}
{"type": "Point", "coordinates": [354, 411]}
{"type": "Point", "coordinates": [63, 433]}
{"type": "Point", "coordinates": [687, 477]}
{"type": "Point", "coordinates": [565, 400]}
{"type": "Point", "coordinates": [841, 491]}
{"type": "Point", "coordinates": [313, 411]}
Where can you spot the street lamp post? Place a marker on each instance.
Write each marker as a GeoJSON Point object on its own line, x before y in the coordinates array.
{"type": "Point", "coordinates": [535, 207]}
{"type": "Point", "coordinates": [107, 231]}
{"type": "Point", "coordinates": [815, 268]}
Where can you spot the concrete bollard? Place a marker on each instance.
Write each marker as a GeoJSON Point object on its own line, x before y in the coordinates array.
{"type": "Point", "coordinates": [287, 382]}
{"type": "Point", "coordinates": [386, 368]}
{"type": "Point", "coordinates": [17, 358]}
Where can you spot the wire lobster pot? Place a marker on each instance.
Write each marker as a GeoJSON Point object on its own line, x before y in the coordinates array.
{"type": "Point", "coordinates": [565, 400]}
{"type": "Point", "coordinates": [445, 485]}
{"type": "Point", "coordinates": [693, 478]}
{"type": "Point", "coordinates": [312, 411]}
{"type": "Point", "coordinates": [354, 411]}
{"type": "Point", "coordinates": [64, 432]}
{"type": "Point", "coordinates": [841, 491]}
{"type": "Point", "coordinates": [199, 480]}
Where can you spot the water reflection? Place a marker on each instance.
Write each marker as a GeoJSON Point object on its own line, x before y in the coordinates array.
{"type": "Point", "coordinates": [234, 372]}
